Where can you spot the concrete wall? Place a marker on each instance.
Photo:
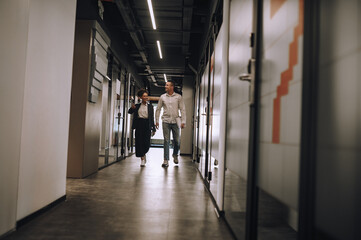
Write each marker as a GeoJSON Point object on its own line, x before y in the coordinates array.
{"type": "Point", "coordinates": [14, 17]}
{"type": "Point", "coordinates": [36, 66]}
{"type": "Point", "coordinates": [187, 132]}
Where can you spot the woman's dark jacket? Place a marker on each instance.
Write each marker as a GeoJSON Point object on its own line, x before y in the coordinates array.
{"type": "Point", "coordinates": [136, 117]}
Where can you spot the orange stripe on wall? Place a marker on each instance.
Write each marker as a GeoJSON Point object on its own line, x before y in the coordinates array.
{"type": "Point", "coordinates": [275, 6]}
{"type": "Point", "coordinates": [287, 75]}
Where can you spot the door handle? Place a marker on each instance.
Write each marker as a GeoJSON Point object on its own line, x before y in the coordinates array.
{"type": "Point", "coordinates": [249, 77]}
{"type": "Point", "coordinates": [245, 77]}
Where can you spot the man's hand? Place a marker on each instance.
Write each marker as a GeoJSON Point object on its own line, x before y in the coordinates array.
{"type": "Point", "coordinates": [157, 125]}
{"type": "Point", "coordinates": [133, 105]}
{"type": "Point", "coordinates": [183, 125]}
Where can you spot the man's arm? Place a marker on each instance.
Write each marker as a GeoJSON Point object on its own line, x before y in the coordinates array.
{"type": "Point", "coordinates": [182, 108]}
{"type": "Point", "coordinates": [157, 112]}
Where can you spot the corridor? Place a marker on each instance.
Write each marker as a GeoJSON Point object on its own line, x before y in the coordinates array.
{"type": "Point", "coordinates": [125, 201]}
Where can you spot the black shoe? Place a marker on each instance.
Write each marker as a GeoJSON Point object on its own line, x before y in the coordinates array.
{"type": "Point", "coordinates": [175, 159]}
{"type": "Point", "coordinates": [165, 163]}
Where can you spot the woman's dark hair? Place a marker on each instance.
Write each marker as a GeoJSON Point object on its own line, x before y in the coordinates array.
{"type": "Point", "coordinates": [141, 92]}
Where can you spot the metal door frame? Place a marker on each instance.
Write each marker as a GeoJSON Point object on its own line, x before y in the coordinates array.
{"type": "Point", "coordinates": [306, 223]}
{"type": "Point", "coordinates": [252, 189]}
{"type": "Point", "coordinates": [199, 82]}
{"type": "Point", "coordinates": [123, 76]}
{"type": "Point", "coordinates": [207, 175]}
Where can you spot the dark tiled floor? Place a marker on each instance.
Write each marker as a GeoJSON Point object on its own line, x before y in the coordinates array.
{"type": "Point", "coordinates": [124, 201]}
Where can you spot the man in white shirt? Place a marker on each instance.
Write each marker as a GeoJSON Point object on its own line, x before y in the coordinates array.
{"type": "Point", "coordinates": [171, 121]}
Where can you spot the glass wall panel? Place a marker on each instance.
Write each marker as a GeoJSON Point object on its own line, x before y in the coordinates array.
{"type": "Point", "coordinates": [214, 122]}
{"type": "Point", "coordinates": [104, 125]}
{"type": "Point", "coordinates": [203, 121]}
{"type": "Point", "coordinates": [238, 116]}
{"type": "Point", "coordinates": [280, 119]}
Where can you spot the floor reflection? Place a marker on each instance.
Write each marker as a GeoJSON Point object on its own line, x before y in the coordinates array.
{"type": "Point", "coordinates": [272, 215]}
{"type": "Point", "coordinates": [235, 203]}
{"type": "Point", "coordinates": [107, 156]}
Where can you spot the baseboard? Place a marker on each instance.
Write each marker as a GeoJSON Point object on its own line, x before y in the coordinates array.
{"type": "Point", "coordinates": [32, 216]}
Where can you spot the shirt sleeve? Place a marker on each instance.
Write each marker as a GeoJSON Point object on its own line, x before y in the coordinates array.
{"type": "Point", "coordinates": [132, 110]}
{"type": "Point", "coordinates": [157, 112]}
{"type": "Point", "coordinates": [182, 108]}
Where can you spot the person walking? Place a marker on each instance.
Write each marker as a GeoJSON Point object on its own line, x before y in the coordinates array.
{"type": "Point", "coordinates": [143, 123]}
{"type": "Point", "coordinates": [171, 103]}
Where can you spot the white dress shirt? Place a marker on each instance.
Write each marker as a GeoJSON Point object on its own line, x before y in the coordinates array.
{"type": "Point", "coordinates": [171, 105]}
{"type": "Point", "coordinates": [143, 111]}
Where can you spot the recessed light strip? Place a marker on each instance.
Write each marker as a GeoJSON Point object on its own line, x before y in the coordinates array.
{"type": "Point", "coordinates": [165, 77]}
{"type": "Point", "coordinates": [160, 51]}
{"type": "Point", "coordinates": [150, 6]}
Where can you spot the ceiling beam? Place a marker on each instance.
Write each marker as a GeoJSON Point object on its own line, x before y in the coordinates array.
{"type": "Point", "coordinates": [165, 18]}
{"type": "Point", "coordinates": [136, 34]}
{"type": "Point", "coordinates": [167, 44]}
{"type": "Point", "coordinates": [187, 24]}
{"type": "Point", "coordinates": [163, 8]}
{"type": "Point", "coordinates": [160, 30]}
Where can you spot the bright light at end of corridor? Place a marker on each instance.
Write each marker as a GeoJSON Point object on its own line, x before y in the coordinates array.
{"type": "Point", "coordinates": [150, 6]}
{"type": "Point", "coordinates": [160, 51]}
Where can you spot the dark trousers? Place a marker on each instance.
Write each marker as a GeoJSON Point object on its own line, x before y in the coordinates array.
{"type": "Point", "coordinates": [142, 137]}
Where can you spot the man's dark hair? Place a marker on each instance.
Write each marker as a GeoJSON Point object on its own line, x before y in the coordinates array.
{"type": "Point", "coordinates": [141, 92]}
{"type": "Point", "coordinates": [172, 82]}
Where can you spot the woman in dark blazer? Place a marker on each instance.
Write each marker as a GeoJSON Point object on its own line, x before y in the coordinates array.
{"type": "Point", "coordinates": [143, 123]}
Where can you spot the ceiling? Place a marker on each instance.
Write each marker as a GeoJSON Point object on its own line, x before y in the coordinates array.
{"type": "Point", "coordinates": [182, 27]}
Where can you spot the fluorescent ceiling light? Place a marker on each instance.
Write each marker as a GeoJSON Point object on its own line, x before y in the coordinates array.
{"type": "Point", "coordinates": [150, 6]}
{"type": "Point", "coordinates": [160, 51]}
{"type": "Point", "coordinates": [165, 77]}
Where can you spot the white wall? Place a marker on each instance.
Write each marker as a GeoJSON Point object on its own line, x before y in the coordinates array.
{"type": "Point", "coordinates": [14, 26]}
{"type": "Point", "coordinates": [187, 132]}
{"type": "Point", "coordinates": [45, 125]}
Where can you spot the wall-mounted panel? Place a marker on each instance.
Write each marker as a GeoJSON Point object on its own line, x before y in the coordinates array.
{"type": "Point", "coordinates": [89, 73]}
